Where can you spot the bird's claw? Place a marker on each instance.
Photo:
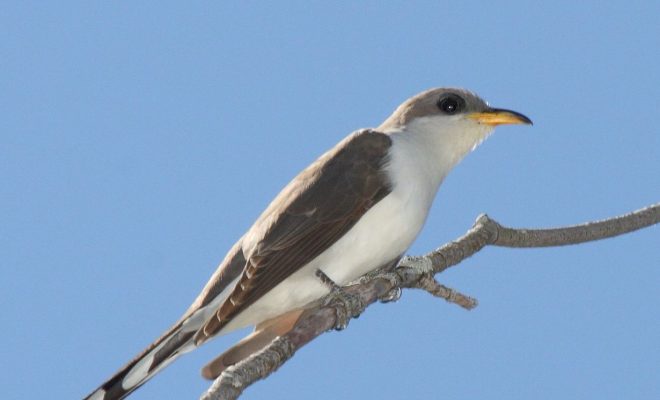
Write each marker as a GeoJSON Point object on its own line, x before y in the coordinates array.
{"type": "Point", "coordinates": [347, 305]}
{"type": "Point", "coordinates": [394, 293]}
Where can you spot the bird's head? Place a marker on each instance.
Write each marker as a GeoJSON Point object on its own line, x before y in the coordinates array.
{"type": "Point", "coordinates": [454, 120]}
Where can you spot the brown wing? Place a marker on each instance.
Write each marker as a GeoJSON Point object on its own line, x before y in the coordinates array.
{"type": "Point", "coordinates": [321, 204]}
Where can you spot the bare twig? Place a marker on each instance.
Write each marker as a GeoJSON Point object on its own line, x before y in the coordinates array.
{"type": "Point", "coordinates": [417, 272]}
{"type": "Point", "coordinates": [435, 288]}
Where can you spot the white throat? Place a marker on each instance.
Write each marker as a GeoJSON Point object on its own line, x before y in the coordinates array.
{"type": "Point", "coordinates": [425, 150]}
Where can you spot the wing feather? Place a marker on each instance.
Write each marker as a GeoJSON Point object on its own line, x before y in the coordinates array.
{"type": "Point", "coordinates": [317, 208]}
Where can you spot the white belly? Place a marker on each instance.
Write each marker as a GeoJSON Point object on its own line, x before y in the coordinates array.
{"type": "Point", "coordinates": [382, 234]}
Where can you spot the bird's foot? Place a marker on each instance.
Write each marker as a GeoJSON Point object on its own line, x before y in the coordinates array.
{"type": "Point", "coordinates": [347, 305]}
{"type": "Point", "coordinates": [391, 295]}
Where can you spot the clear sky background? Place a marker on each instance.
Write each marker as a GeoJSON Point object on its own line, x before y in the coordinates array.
{"type": "Point", "coordinates": [139, 141]}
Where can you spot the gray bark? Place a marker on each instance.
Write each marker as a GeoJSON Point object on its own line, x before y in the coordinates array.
{"type": "Point", "coordinates": [415, 272]}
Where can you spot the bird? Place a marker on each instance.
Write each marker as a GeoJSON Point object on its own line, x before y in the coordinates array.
{"type": "Point", "coordinates": [356, 209]}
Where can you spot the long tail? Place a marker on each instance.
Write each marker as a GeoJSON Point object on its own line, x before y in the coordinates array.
{"type": "Point", "coordinates": [157, 356]}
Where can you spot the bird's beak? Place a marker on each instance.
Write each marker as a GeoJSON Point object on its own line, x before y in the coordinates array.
{"type": "Point", "coordinates": [499, 116]}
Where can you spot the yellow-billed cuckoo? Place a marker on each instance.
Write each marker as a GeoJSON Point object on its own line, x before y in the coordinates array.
{"type": "Point", "coordinates": [355, 209]}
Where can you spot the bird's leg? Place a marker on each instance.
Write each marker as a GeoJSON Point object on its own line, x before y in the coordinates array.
{"type": "Point", "coordinates": [347, 305]}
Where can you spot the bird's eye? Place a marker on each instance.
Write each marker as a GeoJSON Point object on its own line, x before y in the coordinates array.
{"type": "Point", "coordinates": [451, 104]}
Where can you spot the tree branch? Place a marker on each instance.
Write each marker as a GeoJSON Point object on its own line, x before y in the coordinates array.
{"type": "Point", "coordinates": [416, 272]}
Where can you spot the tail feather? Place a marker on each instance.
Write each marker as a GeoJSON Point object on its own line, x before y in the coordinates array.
{"type": "Point", "coordinates": [263, 334]}
{"type": "Point", "coordinates": [155, 357]}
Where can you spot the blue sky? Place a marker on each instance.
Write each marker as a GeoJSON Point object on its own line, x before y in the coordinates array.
{"type": "Point", "coordinates": [139, 141]}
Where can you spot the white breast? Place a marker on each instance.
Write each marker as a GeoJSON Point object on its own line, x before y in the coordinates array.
{"type": "Point", "coordinates": [382, 234]}
{"type": "Point", "coordinates": [421, 155]}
